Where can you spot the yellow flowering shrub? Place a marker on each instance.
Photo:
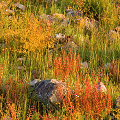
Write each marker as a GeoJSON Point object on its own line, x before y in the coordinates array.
{"type": "Point", "coordinates": [36, 36]}
{"type": "Point", "coordinates": [27, 31]}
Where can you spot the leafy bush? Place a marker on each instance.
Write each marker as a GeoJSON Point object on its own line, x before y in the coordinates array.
{"type": "Point", "coordinates": [28, 33]}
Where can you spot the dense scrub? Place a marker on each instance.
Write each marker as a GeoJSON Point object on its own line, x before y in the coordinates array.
{"type": "Point", "coordinates": [31, 47]}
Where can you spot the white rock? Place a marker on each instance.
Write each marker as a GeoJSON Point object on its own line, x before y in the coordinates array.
{"type": "Point", "coordinates": [59, 36]}
{"type": "Point", "coordinates": [32, 83]}
{"type": "Point", "coordinates": [9, 11]}
{"type": "Point", "coordinates": [84, 65]}
{"type": "Point", "coordinates": [20, 6]}
{"type": "Point", "coordinates": [101, 87]}
{"type": "Point", "coordinates": [20, 59]}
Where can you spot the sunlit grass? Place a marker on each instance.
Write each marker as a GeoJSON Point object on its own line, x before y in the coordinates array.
{"type": "Point", "coordinates": [24, 35]}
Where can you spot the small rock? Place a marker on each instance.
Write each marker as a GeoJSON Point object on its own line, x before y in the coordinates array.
{"type": "Point", "coordinates": [101, 87]}
{"type": "Point", "coordinates": [22, 7]}
{"type": "Point", "coordinates": [59, 39]}
{"type": "Point", "coordinates": [58, 15]}
{"type": "Point", "coordinates": [84, 65]}
{"type": "Point", "coordinates": [65, 22]}
{"type": "Point", "coordinates": [74, 13]}
{"type": "Point", "coordinates": [94, 23]}
{"type": "Point", "coordinates": [89, 23]}
{"type": "Point", "coordinates": [9, 11]}
{"type": "Point", "coordinates": [113, 35]}
{"type": "Point", "coordinates": [117, 102]}
{"type": "Point", "coordinates": [114, 70]}
{"type": "Point", "coordinates": [59, 36]}
{"type": "Point", "coordinates": [20, 59]}
{"type": "Point", "coordinates": [49, 19]}
{"type": "Point", "coordinates": [32, 83]}
{"type": "Point", "coordinates": [70, 45]}
{"type": "Point", "coordinates": [117, 29]}
{"type": "Point", "coordinates": [50, 92]}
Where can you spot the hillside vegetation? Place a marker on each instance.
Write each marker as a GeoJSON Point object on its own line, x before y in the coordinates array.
{"type": "Point", "coordinates": [74, 41]}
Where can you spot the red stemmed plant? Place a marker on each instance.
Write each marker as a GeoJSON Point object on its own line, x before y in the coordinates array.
{"type": "Point", "coordinates": [87, 99]}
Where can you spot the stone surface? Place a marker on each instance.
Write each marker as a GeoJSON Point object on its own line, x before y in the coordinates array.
{"type": "Point", "coordinates": [32, 83]}
{"type": "Point", "coordinates": [49, 92]}
{"type": "Point", "coordinates": [117, 102]}
{"type": "Point", "coordinates": [87, 22]}
{"type": "Point", "coordinates": [74, 13]}
{"type": "Point", "coordinates": [94, 23]}
{"type": "Point", "coordinates": [84, 65]}
{"type": "Point", "coordinates": [20, 59]}
{"type": "Point", "coordinates": [9, 11]}
{"type": "Point", "coordinates": [112, 35]}
{"type": "Point", "coordinates": [59, 36]}
{"type": "Point", "coordinates": [49, 19]}
{"type": "Point", "coordinates": [59, 40]}
{"type": "Point", "coordinates": [114, 70]}
{"type": "Point", "coordinates": [22, 7]}
{"type": "Point", "coordinates": [117, 29]}
{"type": "Point", "coordinates": [101, 87]}
{"type": "Point", "coordinates": [58, 15]}
{"type": "Point", "coordinates": [65, 22]}
{"type": "Point", "coordinates": [70, 45]}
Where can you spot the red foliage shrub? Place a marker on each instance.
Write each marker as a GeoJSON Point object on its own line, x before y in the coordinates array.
{"type": "Point", "coordinates": [67, 65]}
{"type": "Point", "coordinates": [15, 90]}
{"type": "Point", "coordinates": [87, 99]}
